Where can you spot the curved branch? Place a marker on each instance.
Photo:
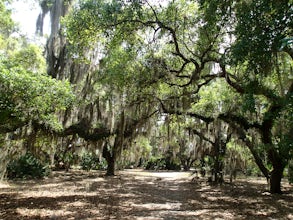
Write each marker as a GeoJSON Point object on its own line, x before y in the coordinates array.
{"type": "Point", "coordinates": [177, 112]}
{"type": "Point", "coordinates": [83, 129]}
{"type": "Point", "coordinates": [241, 133]}
{"type": "Point", "coordinates": [208, 78]}
{"type": "Point", "coordinates": [243, 122]}
{"type": "Point", "coordinates": [202, 136]}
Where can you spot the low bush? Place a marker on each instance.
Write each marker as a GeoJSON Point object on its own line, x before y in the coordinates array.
{"type": "Point", "coordinates": [162, 164]}
{"type": "Point", "coordinates": [89, 162]}
{"type": "Point", "coordinates": [27, 167]}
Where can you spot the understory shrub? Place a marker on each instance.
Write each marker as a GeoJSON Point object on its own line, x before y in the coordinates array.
{"type": "Point", "coordinates": [27, 167]}
{"type": "Point", "coordinates": [90, 162]}
{"type": "Point", "coordinates": [162, 164]}
{"type": "Point", "coordinates": [64, 159]}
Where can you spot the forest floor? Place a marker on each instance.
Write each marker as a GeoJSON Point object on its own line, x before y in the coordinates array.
{"type": "Point", "coordinates": [141, 195]}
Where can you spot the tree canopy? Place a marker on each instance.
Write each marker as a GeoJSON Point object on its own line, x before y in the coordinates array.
{"type": "Point", "coordinates": [201, 75]}
{"type": "Point", "coordinates": [189, 46]}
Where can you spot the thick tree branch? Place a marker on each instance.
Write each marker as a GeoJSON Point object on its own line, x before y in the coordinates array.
{"type": "Point", "coordinates": [202, 136]}
{"type": "Point", "coordinates": [207, 78]}
{"type": "Point", "coordinates": [178, 112]}
{"type": "Point", "coordinates": [84, 130]}
{"type": "Point", "coordinates": [243, 122]}
{"type": "Point", "coordinates": [11, 125]}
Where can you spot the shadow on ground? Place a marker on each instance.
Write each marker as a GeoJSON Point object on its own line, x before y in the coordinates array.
{"type": "Point", "coordinates": [140, 195]}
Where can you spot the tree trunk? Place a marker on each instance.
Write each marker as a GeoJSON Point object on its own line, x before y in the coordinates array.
{"type": "Point", "coordinates": [218, 176]}
{"type": "Point", "coordinates": [275, 180]}
{"type": "Point", "coordinates": [218, 165]}
{"type": "Point", "coordinates": [276, 174]}
{"type": "Point", "coordinates": [110, 158]}
{"type": "Point", "coordinates": [186, 163]}
{"type": "Point", "coordinates": [111, 166]}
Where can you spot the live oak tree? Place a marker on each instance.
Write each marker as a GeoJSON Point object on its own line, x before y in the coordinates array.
{"type": "Point", "coordinates": [111, 109]}
{"type": "Point", "coordinates": [152, 61]}
{"type": "Point", "coordinates": [265, 79]}
{"type": "Point", "coordinates": [192, 43]}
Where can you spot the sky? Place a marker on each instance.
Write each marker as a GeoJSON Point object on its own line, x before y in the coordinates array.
{"type": "Point", "coordinates": [25, 13]}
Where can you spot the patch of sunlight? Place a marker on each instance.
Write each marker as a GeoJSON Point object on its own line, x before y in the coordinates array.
{"type": "Point", "coordinates": [4, 185]}
{"type": "Point", "coordinates": [48, 186]}
{"type": "Point", "coordinates": [259, 210]}
{"type": "Point", "coordinates": [186, 213]}
{"type": "Point", "coordinates": [212, 198]}
{"type": "Point", "coordinates": [76, 204]}
{"type": "Point", "coordinates": [148, 218]}
{"type": "Point", "coordinates": [156, 206]}
{"type": "Point", "coordinates": [49, 193]}
{"type": "Point", "coordinates": [267, 211]}
{"type": "Point", "coordinates": [213, 214]}
{"type": "Point", "coordinates": [195, 202]}
{"type": "Point", "coordinates": [201, 212]}
{"type": "Point", "coordinates": [42, 213]}
{"type": "Point", "coordinates": [159, 174]}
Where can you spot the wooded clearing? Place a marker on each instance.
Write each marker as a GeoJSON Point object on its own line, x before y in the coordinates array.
{"type": "Point", "coordinates": [137, 194]}
{"type": "Point", "coordinates": [147, 109]}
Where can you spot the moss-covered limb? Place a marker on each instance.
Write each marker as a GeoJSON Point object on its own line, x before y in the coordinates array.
{"type": "Point", "coordinates": [174, 111]}
{"type": "Point", "coordinates": [244, 122]}
{"type": "Point", "coordinates": [83, 129]}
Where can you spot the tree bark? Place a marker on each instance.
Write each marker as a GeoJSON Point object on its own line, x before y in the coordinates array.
{"type": "Point", "coordinates": [218, 169]}
{"type": "Point", "coordinates": [111, 166]}
{"type": "Point", "coordinates": [110, 158]}
{"type": "Point", "coordinates": [275, 180]}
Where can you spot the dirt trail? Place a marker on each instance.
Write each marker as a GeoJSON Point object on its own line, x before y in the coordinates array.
{"type": "Point", "coordinates": [141, 195]}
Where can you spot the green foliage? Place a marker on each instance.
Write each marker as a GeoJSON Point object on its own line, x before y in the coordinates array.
{"type": "Point", "coordinates": [26, 95]}
{"type": "Point", "coordinates": [248, 103]}
{"type": "Point", "coordinates": [162, 163]}
{"type": "Point", "coordinates": [144, 146]}
{"type": "Point", "coordinates": [90, 161]}
{"type": "Point", "coordinates": [238, 158]}
{"type": "Point", "coordinates": [64, 158]}
{"type": "Point", "coordinates": [215, 98]}
{"type": "Point", "coordinates": [156, 164]}
{"type": "Point", "coordinates": [286, 42]}
{"type": "Point", "coordinates": [7, 25]}
{"type": "Point", "coordinates": [27, 167]}
{"type": "Point", "coordinates": [261, 28]}
{"type": "Point", "coordinates": [30, 58]}
{"type": "Point", "coordinates": [211, 58]}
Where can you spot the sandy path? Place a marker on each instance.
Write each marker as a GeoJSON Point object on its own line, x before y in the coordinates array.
{"type": "Point", "coordinates": [141, 195]}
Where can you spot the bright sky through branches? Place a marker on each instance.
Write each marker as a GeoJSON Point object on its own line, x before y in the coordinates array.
{"type": "Point", "coordinates": [25, 13]}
